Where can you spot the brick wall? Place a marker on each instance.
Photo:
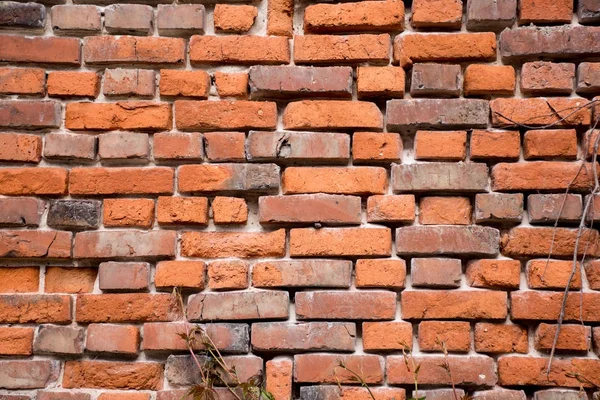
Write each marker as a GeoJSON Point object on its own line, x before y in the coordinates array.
{"type": "Point", "coordinates": [324, 181]}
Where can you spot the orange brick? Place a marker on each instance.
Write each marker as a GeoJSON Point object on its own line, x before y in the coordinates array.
{"type": "Point", "coordinates": [279, 378]}
{"type": "Point", "coordinates": [447, 146]}
{"type": "Point", "coordinates": [280, 18]}
{"type": "Point", "coordinates": [225, 146]}
{"type": "Point", "coordinates": [571, 337]}
{"type": "Point", "coordinates": [387, 336]}
{"type": "Point", "coordinates": [129, 212]}
{"type": "Point", "coordinates": [16, 341]}
{"type": "Point", "coordinates": [19, 279]}
{"type": "Point", "coordinates": [182, 210]}
{"type": "Point", "coordinates": [318, 49]}
{"type": "Point", "coordinates": [351, 180]}
{"type": "Point", "coordinates": [455, 335]}
{"type": "Point", "coordinates": [229, 210]}
{"type": "Point", "coordinates": [22, 81]}
{"type": "Point", "coordinates": [128, 115]}
{"type": "Point", "coordinates": [495, 145]}
{"type": "Point", "coordinates": [381, 273]}
{"type": "Point", "coordinates": [496, 338]}
{"type": "Point", "coordinates": [68, 84]}
{"type": "Point", "coordinates": [337, 242]}
{"type": "Point", "coordinates": [122, 375]}
{"type": "Point", "coordinates": [373, 16]}
{"type": "Point", "coordinates": [549, 144]}
{"type": "Point", "coordinates": [234, 18]}
{"type": "Point", "coordinates": [225, 115]}
{"type": "Point", "coordinates": [380, 82]}
{"type": "Point", "coordinates": [40, 49]}
{"type": "Point", "coordinates": [184, 83]}
{"type": "Point", "coordinates": [102, 181]}
{"type": "Point", "coordinates": [234, 84]}
{"type": "Point", "coordinates": [374, 147]}
{"type": "Point", "coordinates": [239, 50]}
{"type": "Point", "coordinates": [37, 181]}
{"type": "Point", "coordinates": [185, 274]}
{"type": "Point", "coordinates": [445, 211]}
{"type": "Point", "coordinates": [545, 11]}
{"type": "Point", "coordinates": [233, 244]}
{"type": "Point", "coordinates": [541, 175]}
{"type": "Point", "coordinates": [489, 80]}
{"type": "Point", "coordinates": [437, 13]}
{"type": "Point", "coordinates": [494, 274]}
{"type": "Point", "coordinates": [172, 146]}
{"type": "Point", "coordinates": [332, 114]}
{"type": "Point", "coordinates": [20, 147]}
{"type": "Point", "coordinates": [555, 111]}
{"type": "Point", "coordinates": [552, 274]}
{"type": "Point", "coordinates": [70, 280]}
{"type": "Point", "coordinates": [228, 275]}
{"type": "Point", "coordinates": [384, 208]}
{"type": "Point", "coordinates": [133, 50]}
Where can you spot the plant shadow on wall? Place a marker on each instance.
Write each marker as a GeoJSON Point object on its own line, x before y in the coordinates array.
{"type": "Point", "coordinates": [214, 370]}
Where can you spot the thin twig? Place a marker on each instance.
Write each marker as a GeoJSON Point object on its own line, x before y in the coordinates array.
{"type": "Point", "coordinates": [360, 379]}
{"type": "Point", "coordinates": [557, 122]}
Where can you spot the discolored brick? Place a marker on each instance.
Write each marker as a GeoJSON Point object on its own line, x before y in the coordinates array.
{"type": "Point", "coordinates": [286, 147]}
{"type": "Point", "coordinates": [74, 214]}
{"type": "Point", "coordinates": [21, 211]}
{"type": "Point", "coordinates": [436, 272]}
{"type": "Point", "coordinates": [435, 80]}
{"type": "Point", "coordinates": [302, 273]}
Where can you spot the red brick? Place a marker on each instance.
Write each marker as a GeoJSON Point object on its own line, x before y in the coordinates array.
{"type": "Point", "coordinates": [228, 274]}
{"type": "Point", "coordinates": [19, 279]}
{"type": "Point", "coordinates": [587, 78]}
{"type": "Point", "coordinates": [545, 11]}
{"type": "Point", "coordinates": [280, 18]}
{"type": "Point", "coordinates": [113, 375]}
{"type": "Point", "coordinates": [455, 47]}
{"type": "Point", "coordinates": [127, 307]}
{"type": "Point", "coordinates": [329, 49]}
{"type": "Point", "coordinates": [182, 371]}
{"type": "Point", "coordinates": [542, 78]}
{"type": "Point", "coordinates": [392, 209]}
{"type": "Point", "coordinates": [310, 208]}
{"type": "Point", "coordinates": [498, 207]}
{"type": "Point", "coordinates": [546, 208]}
{"type": "Point", "coordinates": [297, 337]}
{"type": "Point", "coordinates": [536, 242]}
{"type": "Point", "coordinates": [491, 15]}
{"type": "Point", "coordinates": [380, 273]}
{"type": "Point", "coordinates": [589, 141]}
{"type": "Point", "coordinates": [409, 114]}
{"type": "Point", "coordinates": [62, 395]}
{"type": "Point", "coordinates": [184, 274]}
{"type": "Point", "coordinates": [103, 181]}
{"type": "Point", "coordinates": [437, 304]}
{"type": "Point", "coordinates": [428, 240]}
{"type": "Point", "coordinates": [545, 306]}
{"type": "Point", "coordinates": [494, 274]}
{"type": "Point", "coordinates": [438, 394]}
{"type": "Point", "coordinates": [324, 368]}
{"type": "Point", "coordinates": [180, 19]}
{"type": "Point", "coordinates": [437, 80]}
{"type": "Point", "coordinates": [69, 84]}
{"type": "Point", "coordinates": [225, 115]}
{"type": "Point", "coordinates": [115, 276]}
{"type": "Point", "coordinates": [27, 374]}
{"type": "Point", "coordinates": [445, 211]}
{"type": "Point", "coordinates": [21, 211]}
{"type": "Point", "coordinates": [63, 340]}
{"type": "Point", "coordinates": [239, 50]}
{"type": "Point", "coordinates": [109, 338]}
{"type": "Point", "coordinates": [234, 18]}
{"type": "Point", "coordinates": [22, 81]}
{"type": "Point", "coordinates": [164, 337]}
{"type": "Point", "coordinates": [35, 308]}
{"type": "Point", "coordinates": [133, 50]}
{"type": "Point", "coordinates": [136, 19]}
{"type": "Point", "coordinates": [70, 280]}
{"type": "Point", "coordinates": [20, 147]}
{"type": "Point", "coordinates": [352, 180]}
{"type": "Point", "coordinates": [76, 20]}
{"type": "Point", "coordinates": [437, 14]}
{"type": "Point", "coordinates": [588, 12]}
{"type": "Point", "coordinates": [387, 336]}
{"type": "Point", "coordinates": [505, 145]}
{"type": "Point", "coordinates": [129, 82]}
{"type": "Point", "coordinates": [435, 145]}
{"type": "Point", "coordinates": [228, 178]}
{"type": "Point", "coordinates": [285, 147]}
{"type": "Point", "coordinates": [233, 244]}
{"type": "Point", "coordinates": [592, 272]}
{"type": "Point", "coordinates": [551, 274]}
{"type": "Point", "coordinates": [182, 211]}
{"type": "Point", "coordinates": [333, 305]}
{"type": "Point", "coordinates": [523, 371]}
{"type": "Point", "coordinates": [302, 273]}
{"type": "Point", "coordinates": [293, 81]}
{"type": "Point", "coordinates": [539, 112]}
{"type": "Point", "coordinates": [489, 80]}
{"type": "Point", "coordinates": [497, 338]}
{"type": "Point", "coordinates": [332, 392]}
{"type": "Point", "coordinates": [35, 244]}
{"type": "Point", "coordinates": [129, 212]}
{"type": "Point", "coordinates": [541, 175]}
{"type": "Point", "coordinates": [232, 84]}
{"type": "Point", "coordinates": [184, 83]}
{"type": "Point", "coordinates": [554, 143]}
{"type": "Point", "coordinates": [16, 341]}
{"type": "Point", "coordinates": [375, 16]}
{"type": "Point", "coordinates": [340, 242]}
{"type": "Point", "coordinates": [456, 336]}
{"type": "Point", "coordinates": [30, 114]}
{"type": "Point", "coordinates": [124, 244]}
{"type": "Point", "coordinates": [466, 371]}
{"type": "Point", "coordinates": [38, 49]}
{"type": "Point", "coordinates": [69, 147]}
{"type": "Point", "coordinates": [124, 146]}
{"type": "Point", "coordinates": [376, 147]}
{"type": "Point", "coordinates": [127, 115]}
{"type": "Point", "coordinates": [436, 272]}
{"type": "Point", "coordinates": [279, 376]}
{"type": "Point", "coordinates": [255, 305]}
{"type": "Point", "coordinates": [571, 337]}
{"type": "Point", "coordinates": [332, 114]}
{"type": "Point", "coordinates": [124, 396]}
{"type": "Point", "coordinates": [225, 146]}
{"type": "Point", "coordinates": [173, 146]}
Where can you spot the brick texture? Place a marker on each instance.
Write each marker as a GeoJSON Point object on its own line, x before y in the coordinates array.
{"type": "Point", "coordinates": [324, 182]}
